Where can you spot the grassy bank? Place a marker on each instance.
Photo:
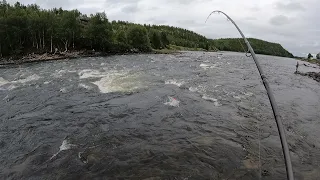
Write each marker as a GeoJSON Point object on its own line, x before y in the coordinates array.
{"type": "Point", "coordinates": [312, 61]}
{"type": "Point", "coordinates": [181, 48]}
{"type": "Point", "coordinates": [165, 51]}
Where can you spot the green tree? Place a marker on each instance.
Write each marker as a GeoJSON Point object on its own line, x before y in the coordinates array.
{"type": "Point", "coordinates": [99, 32]}
{"type": "Point", "coordinates": [68, 29]}
{"type": "Point", "coordinates": [207, 47]}
{"type": "Point", "coordinates": [121, 42]}
{"type": "Point", "coordinates": [310, 56]}
{"type": "Point", "coordinates": [138, 38]}
{"type": "Point", "coordinates": [318, 56]}
{"type": "Point", "coordinates": [259, 46]}
{"type": "Point", "coordinates": [121, 37]}
{"type": "Point", "coordinates": [164, 39]}
{"type": "Point", "coordinates": [156, 40]}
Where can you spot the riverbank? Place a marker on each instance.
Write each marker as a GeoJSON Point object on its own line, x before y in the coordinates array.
{"type": "Point", "coordinates": [313, 75]}
{"type": "Point", "coordinates": [312, 61]}
{"type": "Point", "coordinates": [30, 58]}
{"type": "Point", "coordinates": [33, 57]}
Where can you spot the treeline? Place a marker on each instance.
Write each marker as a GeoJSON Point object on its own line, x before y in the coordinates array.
{"type": "Point", "coordinates": [259, 46]}
{"type": "Point", "coordinates": [186, 38]}
{"type": "Point", "coordinates": [28, 28]}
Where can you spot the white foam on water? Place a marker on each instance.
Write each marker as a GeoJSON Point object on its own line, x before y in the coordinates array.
{"type": "Point", "coordinates": [204, 65]}
{"type": "Point", "coordinates": [244, 96]}
{"type": "Point", "coordinates": [207, 66]}
{"type": "Point", "coordinates": [6, 98]}
{"type": "Point", "coordinates": [10, 85]}
{"type": "Point", "coordinates": [214, 100]}
{"type": "Point", "coordinates": [112, 80]}
{"type": "Point", "coordinates": [193, 89]}
{"type": "Point", "coordinates": [33, 77]}
{"type": "Point", "coordinates": [172, 102]}
{"type": "Point", "coordinates": [46, 82]}
{"type": "Point", "coordinates": [199, 89]}
{"type": "Point", "coordinates": [205, 97]}
{"type": "Point", "coordinates": [118, 82]}
{"type": "Point", "coordinates": [174, 82]}
{"type": "Point", "coordinates": [248, 94]}
{"type": "Point", "coordinates": [59, 73]}
{"type": "Point", "coordinates": [3, 81]}
{"type": "Point", "coordinates": [63, 90]}
{"type": "Point", "coordinates": [64, 146]}
{"type": "Point", "coordinates": [81, 85]}
{"type": "Point", "coordinates": [214, 66]}
{"type": "Point", "coordinates": [238, 97]}
{"type": "Point", "coordinates": [89, 73]}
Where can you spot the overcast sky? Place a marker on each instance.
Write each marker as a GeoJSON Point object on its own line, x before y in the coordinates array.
{"type": "Point", "coordinates": [293, 23]}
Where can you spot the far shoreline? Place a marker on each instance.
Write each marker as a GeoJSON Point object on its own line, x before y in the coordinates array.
{"type": "Point", "coordinates": [36, 58]}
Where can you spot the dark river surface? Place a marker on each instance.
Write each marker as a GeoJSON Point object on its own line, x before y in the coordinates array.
{"type": "Point", "coordinates": [187, 116]}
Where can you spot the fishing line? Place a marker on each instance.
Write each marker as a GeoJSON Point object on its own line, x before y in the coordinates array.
{"type": "Point", "coordinates": [274, 106]}
{"type": "Point", "coordinates": [244, 49]}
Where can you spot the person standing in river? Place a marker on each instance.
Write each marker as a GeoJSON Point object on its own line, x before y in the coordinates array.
{"type": "Point", "coordinates": [297, 66]}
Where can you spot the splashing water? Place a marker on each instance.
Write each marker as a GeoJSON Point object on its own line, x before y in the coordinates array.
{"type": "Point", "coordinates": [64, 146]}
{"type": "Point", "coordinates": [81, 85]}
{"type": "Point", "coordinates": [215, 101]}
{"type": "Point", "coordinates": [33, 77]}
{"type": "Point", "coordinates": [3, 81]}
{"type": "Point", "coordinates": [172, 102]}
{"type": "Point", "coordinates": [174, 82]}
{"type": "Point", "coordinates": [118, 82]}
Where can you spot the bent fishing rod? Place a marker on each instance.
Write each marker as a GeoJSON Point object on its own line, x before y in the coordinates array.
{"type": "Point", "coordinates": [274, 106]}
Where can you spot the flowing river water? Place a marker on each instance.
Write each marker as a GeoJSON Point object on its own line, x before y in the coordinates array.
{"type": "Point", "coordinates": [192, 115]}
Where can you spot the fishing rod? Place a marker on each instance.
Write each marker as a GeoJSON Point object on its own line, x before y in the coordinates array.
{"type": "Point", "coordinates": [274, 106]}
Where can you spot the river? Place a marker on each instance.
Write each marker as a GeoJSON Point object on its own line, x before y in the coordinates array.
{"type": "Point", "coordinates": [183, 116]}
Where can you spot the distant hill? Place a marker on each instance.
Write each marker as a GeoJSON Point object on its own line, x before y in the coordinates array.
{"type": "Point", "coordinates": [186, 38]}
{"type": "Point", "coordinates": [259, 46]}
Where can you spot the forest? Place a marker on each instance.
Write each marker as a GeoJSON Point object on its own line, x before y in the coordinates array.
{"type": "Point", "coordinates": [30, 29]}
{"type": "Point", "coordinates": [259, 46]}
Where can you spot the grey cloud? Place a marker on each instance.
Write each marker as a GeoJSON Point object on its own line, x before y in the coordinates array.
{"type": "Point", "coordinates": [279, 20]}
{"type": "Point", "coordinates": [60, 3]}
{"type": "Point", "coordinates": [251, 18]}
{"type": "Point", "coordinates": [88, 10]}
{"type": "Point", "coordinates": [180, 1]}
{"type": "Point", "coordinates": [188, 22]}
{"type": "Point", "coordinates": [123, 5]}
{"type": "Point", "coordinates": [48, 4]}
{"type": "Point", "coordinates": [130, 8]}
{"type": "Point", "coordinates": [292, 6]}
{"type": "Point", "coordinates": [156, 21]}
{"type": "Point", "coordinates": [255, 8]}
{"type": "Point", "coordinates": [115, 2]}
{"type": "Point", "coordinates": [153, 8]}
